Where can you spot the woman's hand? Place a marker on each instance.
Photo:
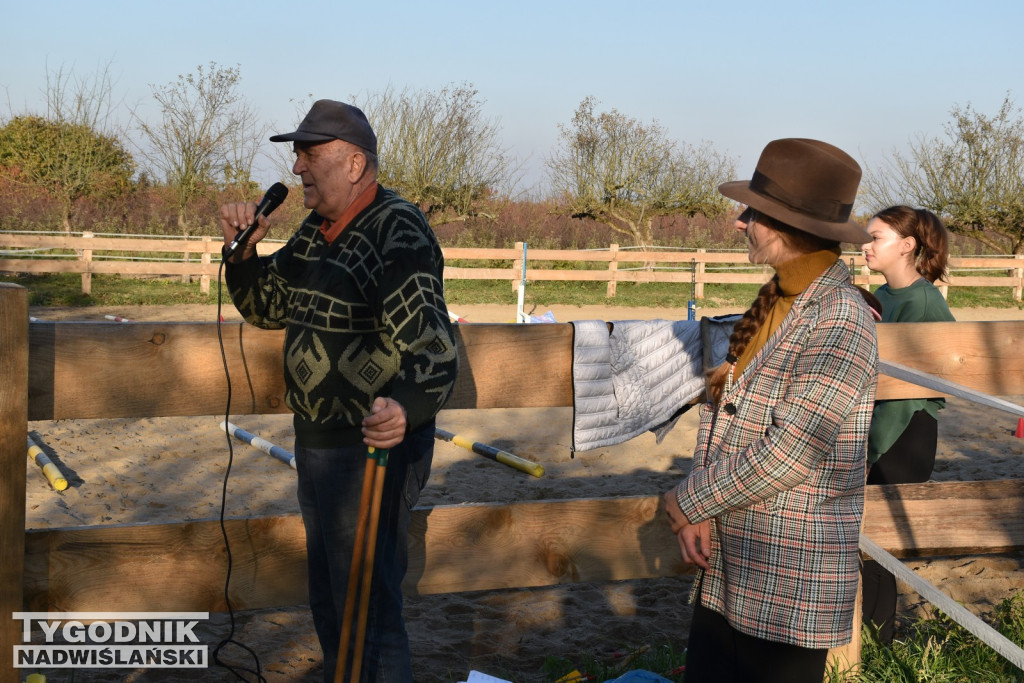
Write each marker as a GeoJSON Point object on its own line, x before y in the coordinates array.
{"type": "Point", "coordinates": [695, 543]}
{"type": "Point", "coordinates": [694, 539]}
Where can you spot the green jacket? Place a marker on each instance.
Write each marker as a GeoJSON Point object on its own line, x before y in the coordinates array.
{"type": "Point", "coordinates": [919, 302]}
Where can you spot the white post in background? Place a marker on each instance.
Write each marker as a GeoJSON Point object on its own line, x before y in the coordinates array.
{"type": "Point", "coordinates": [520, 314]}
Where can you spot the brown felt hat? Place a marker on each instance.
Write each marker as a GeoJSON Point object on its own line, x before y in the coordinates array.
{"type": "Point", "coordinates": [330, 120]}
{"type": "Point", "coordinates": [808, 184]}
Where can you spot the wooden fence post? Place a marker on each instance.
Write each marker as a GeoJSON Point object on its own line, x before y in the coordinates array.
{"type": "Point", "coordinates": [87, 274]}
{"type": "Point", "coordinates": [204, 279]}
{"type": "Point", "coordinates": [701, 269]}
{"type": "Point", "coordinates": [613, 268]}
{"type": "Point", "coordinates": [1019, 274]}
{"type": "Point", "coordinates": [13, 430]}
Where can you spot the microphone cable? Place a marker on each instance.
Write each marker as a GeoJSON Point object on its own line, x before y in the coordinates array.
{"type": "Point", "coordinates": [230, 639]}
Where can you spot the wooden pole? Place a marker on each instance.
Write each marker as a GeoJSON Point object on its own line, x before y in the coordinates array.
{"type": "Point", "coordinates": [380, 463]}
{"type": "Point", "coordinates": [355, 572]}
{"type": "Point", "coordinates": [13, 432]}
{"type": "Point", "coordinates": [204, 279]}
{"type": "Point", "coordinates": [1018, 275]}
{"type": "Point", "coordinates": [701, 270]}
{"type": "Point", "coordinates": [87, 273]}
{"type": "Point", "coordinates": [613, 267]}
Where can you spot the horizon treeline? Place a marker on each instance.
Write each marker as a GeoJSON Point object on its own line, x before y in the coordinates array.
{"type": "Point", "coordinates": [611, 178]}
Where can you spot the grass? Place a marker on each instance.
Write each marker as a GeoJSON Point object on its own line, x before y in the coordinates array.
{"type": "Point", "coordinates": [65, 289]}
{"type": "Point", "coordinates": [937, 650]}
{"type": "Point", "coordinates": [933, 649]}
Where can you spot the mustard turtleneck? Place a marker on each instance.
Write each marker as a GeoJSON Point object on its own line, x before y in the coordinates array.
{"type": "Point", "coordinates": [795, 276]}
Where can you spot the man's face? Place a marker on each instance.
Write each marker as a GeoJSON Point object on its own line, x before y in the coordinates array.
{"type": "Point", "coordinates": [326, 170]}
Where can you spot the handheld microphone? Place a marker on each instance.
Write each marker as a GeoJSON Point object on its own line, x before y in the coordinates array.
{"type": "Point", "coordinates": [271, 200]}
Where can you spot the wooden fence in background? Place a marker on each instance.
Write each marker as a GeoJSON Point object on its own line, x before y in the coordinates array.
{"type": "Point", "coordinates": [200, 258]}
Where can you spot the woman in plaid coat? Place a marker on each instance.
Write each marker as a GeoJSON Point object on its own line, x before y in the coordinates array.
{"type": "Point", "coordinates": [771, 509]}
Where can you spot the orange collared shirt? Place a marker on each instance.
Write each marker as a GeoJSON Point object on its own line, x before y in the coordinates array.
{"type": "Point", "coordinates": [331, 231]}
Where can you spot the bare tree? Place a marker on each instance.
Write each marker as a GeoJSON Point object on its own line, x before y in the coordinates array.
{"type": "Point", "coordinates": [438, 150]}
{"type": "Point", "coordinates": [624, 173]}
{"type": "Point", "coordinates": [207, 136]}
{"type": "Point", "coordinates": [72, 150]}
{"type": "Point", "coordinates": [973, 179]}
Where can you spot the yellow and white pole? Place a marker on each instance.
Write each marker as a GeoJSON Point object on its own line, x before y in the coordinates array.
{"type": "Point", "coordinates": [504, 457]}
{"type": "Point", "coordinates": [50, 471]}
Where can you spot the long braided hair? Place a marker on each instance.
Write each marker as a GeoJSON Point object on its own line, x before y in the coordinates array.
{"type": "Point", "coordinates": [799, 242]}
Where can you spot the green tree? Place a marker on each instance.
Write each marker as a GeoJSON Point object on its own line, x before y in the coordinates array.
{"type": "Point", "coordinates": [71, 152]}
{"type": "Point", "coordinates": [439, 150]}
{"type": "Point", "coordinates": [207, 137]}
{"type": "Point", "coordinates": [973, 178]}
{"type": "Point", "coordinates": [625, 174]}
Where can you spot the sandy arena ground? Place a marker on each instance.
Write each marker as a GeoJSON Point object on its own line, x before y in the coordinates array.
{"type": "Point", "coordinates": [163, 469]}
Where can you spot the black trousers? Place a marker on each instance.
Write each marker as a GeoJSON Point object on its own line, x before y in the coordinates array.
{"type": "Point", "coordinates": [718, 653]}
{"type": "Point", "coordinates": [909, 461]}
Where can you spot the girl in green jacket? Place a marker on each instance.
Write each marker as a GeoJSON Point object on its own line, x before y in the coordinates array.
{"type": "Point", "coordinates": [910, 247]}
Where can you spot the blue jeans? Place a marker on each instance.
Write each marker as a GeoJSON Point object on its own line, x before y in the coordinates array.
{"type": "Point", "coordinates": [329, 491]}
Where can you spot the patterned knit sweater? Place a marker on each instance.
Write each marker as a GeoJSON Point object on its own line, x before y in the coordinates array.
{"type": "Point", "coordinates": [364, 317]}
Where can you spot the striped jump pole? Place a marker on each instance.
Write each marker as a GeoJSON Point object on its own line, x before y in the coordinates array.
{"type": "Point", "coordinates": [456, 318]}
{"type": "Point", "coordinates": [504, 457]}
{"type": "Point", "coordinates": [118, 319]}
{"type": "Point", "coordinates": [260, 443]}
{"type": "Point", "coordinates": [50, 471]}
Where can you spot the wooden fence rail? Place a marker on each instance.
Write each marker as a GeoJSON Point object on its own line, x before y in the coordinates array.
{"type": "Point", "coordinates": [200, 258]}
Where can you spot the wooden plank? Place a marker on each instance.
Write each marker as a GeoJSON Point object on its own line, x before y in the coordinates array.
{"type": "Point", "coordinates": [987, 356]}
{"type": "Point", "coordinates": [949, 518]}
{"type": "Point", "coordinates": [82, 369]}
{"type": "Point", "coordinates": [163, 567]}
{"type": "Point", "coordinates": [145, 244]}
{"type": "Point", "coordinates": [453, 273]}
{"type": "Point", "coordinates": [513, 366]}
{"type": "Point", "coordinates": [464, 548]}
{"type": "Point", "coordinates": [98, 369]}
{"type": "Point", "coordinates": [13, 430]}
{"type": "Point", "coordinates": [181, 566]}
{"type": "Point", "coordinates": [542, 543]}
{"type": "Point", "coordinates": [981, 281]}
{"type": "Point", "coordinates": [185, 357]}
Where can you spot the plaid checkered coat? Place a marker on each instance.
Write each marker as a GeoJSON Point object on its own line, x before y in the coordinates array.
{"type": "Point", "coordinates": [779, 471]}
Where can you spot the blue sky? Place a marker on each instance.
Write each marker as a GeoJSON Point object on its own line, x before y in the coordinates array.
{"type": "Point", "coordinates": [867, 76]}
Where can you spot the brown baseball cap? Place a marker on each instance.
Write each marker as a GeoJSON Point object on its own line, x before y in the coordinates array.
{"type": "Point", "coordinates": [331, 120]}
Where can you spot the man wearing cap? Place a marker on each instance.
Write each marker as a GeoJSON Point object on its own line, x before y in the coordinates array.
{"type": "Point", "coordinates": [369, 359]}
